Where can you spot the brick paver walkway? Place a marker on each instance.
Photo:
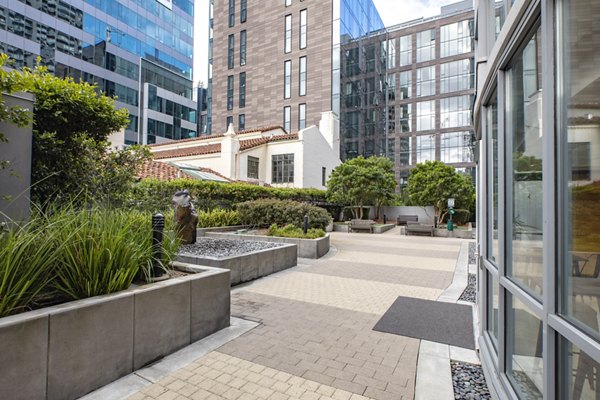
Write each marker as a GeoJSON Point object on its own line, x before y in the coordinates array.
{"type": "Point", "coordinates": [315, 338]}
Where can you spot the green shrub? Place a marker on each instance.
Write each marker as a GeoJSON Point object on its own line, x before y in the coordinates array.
{"type": "Point", "coordinates": [153, 195]}
{"type": "Point", "coordinates": [27, 257]}
{"type": "Point", "coordinates": [215, 218]}
{"type": "Point", "coordinates": [460, 216]}
{"type": "Point", "coordinates": [281, 212]}
{"type": "Point", "coordinates": [293, 232]}
{"type": "Point", "coordinates": [104, 250]}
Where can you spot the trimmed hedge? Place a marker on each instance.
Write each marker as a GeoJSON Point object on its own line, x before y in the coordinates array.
{"type": "Point", "coordinates": [154, 195]}
{"type": "Point", "coordinates": [293, 232]}
{"type": "Point", "coordinates": [266, 212]}
{"type": "Point", "coordinates": [216, 218]}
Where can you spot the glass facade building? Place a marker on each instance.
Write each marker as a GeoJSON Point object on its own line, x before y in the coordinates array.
{"type": "Point", "coordinates": [538, 120]}
{"type": "Point", "coordinates": [131, 49]}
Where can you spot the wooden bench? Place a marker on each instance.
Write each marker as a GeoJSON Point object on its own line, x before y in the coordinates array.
{"type": "Point", "coordinates": [361, 224]}
{"type": "Point", "coordinates": [403, 219]}
{"type": "Point", "coordinates": [415, 227]}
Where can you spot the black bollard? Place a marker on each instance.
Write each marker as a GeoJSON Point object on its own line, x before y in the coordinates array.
{"type": "Point", "coordinates": [305, 227]}
{"type": "Point", "coordinates": [384, 219]}
{"type": "Point", "coordinates": [158, 225]}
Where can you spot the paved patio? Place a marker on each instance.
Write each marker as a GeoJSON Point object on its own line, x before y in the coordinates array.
{"type": "Point", "coordinates": [314, 338]}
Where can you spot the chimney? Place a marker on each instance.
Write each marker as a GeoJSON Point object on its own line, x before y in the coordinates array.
{"type": "Point", "coordinates": [330, 129]}
{"type": "Point", "coordinates": [230, 147]}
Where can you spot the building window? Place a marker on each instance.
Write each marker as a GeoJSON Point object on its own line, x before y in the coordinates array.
{"type": "Point", "coordinates": [405, 152]}
{"type": "Point", "coordinates": [425, 115]}
{"type": "Point", "coordinates": [229, 122]}
{"type": "Point", "coordinates": [287, 46]}
{"type": "Point", "coordinates": [303, 28]}
{"type": "Point", "coordinates": [230, 92]}
{"type": "Point", "coordinates": [302, 81]}
{"type": "Point", "coordinates": [425, 148]}
{"type": "Point", "coordinates": [287, 81]}
{"type": "Point", "coordinates": [283, 168]}
{"type": "Point", "coordinates": [426, 45]}
{"type": "Point", "coordinates": [323, 176]}
{"type": "Point", "coordinates": [288, 3]}
{"type": "Point", "coordinates": [405, 85]}
{"type": "Point", "coordinates": [426, 81]}
{"type": "Point", "coordinates": [457, 75]}
{"type": "Point", "coordinates": [455, 147]}
{"type": "Point", "coordinates": [287, 117]}
{"type": "Point", "coordinates": [405, 117]}
{"type": "Point", "coordinates": [405, 50]}
{"type": "Point", "coordinates": [455, 111]}
{"type": "Point", "coordinates": [252, 167]}
{"type": "Point", "coordinates": [391, 50]}
{"type": "Point", "coordinates": [231, 13]}
{"type": "Point", "coordinates": [456, 38]}
{"type": "Point", "coordinates": [242, 122]}
{"type": "Point", "coordinates": [242, 99]}
{"type": "Point", "coordinates": [524, 261]}
{"type": "Point", "coordinates": [243, 47]}
{"type": "Point", "coordinates": [243, 10]}
{"type": "Point", "coordinates": [230, 48]}
{"type": "Point", "coordinates": [301, 116]}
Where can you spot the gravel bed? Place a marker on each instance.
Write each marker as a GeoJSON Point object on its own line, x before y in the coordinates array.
{"type": "Point", "coordinates": [472, 248]}
{"type": "Point", "coordinates": [468, 381]}
{"type": "Point", "coordinates": [470, 293]}
{"type": "Point", "coordinates": [224, 247]}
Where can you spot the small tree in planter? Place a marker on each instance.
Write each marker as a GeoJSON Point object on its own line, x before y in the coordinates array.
{"type": "Point", "coordinates": [362, 181]}
{"type": "Point", "coordinates": [433, 183]}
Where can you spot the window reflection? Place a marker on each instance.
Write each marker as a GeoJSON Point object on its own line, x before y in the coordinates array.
{"type": "Point", "coordinates": [493, 136]}
{"type": "Point", "coordinates": [580, 135]}
{"type": "Point", "coordinates": [524, 110]}
{"type": "Point", "coordinates": [579, 375]}
{"type": "Point", "coordinates": [524, 340]}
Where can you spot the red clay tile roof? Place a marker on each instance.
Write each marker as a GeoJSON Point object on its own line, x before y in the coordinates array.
{"type": "Point", "coordinates": [208, 137]}
{"type": "Point", "coordinates": [188, 151]}
{"type": "Point", "coordinates": [159, 170]}
{"type": "Point", "coordinates": [250, 143]}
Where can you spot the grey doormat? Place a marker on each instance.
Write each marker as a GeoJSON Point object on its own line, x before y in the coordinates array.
{"type": "Point", "coordinates": [435, 321]}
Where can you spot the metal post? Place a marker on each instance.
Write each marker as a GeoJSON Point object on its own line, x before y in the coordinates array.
{"type": "Point", "coordinates": [384, 219]}
{"type": "Point", "coordinates": [305, 227]}
{"type": "Point", "coordinates": [158, 225]}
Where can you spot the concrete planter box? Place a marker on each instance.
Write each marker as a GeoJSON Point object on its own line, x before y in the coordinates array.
{"type": "Point", "coordinates": [341, 228]}
{"type": "Point", "coordinates": [69, 350]}
{"type": "Point", "coordinates": [307, 248]}
{"type": "Point", "coordinates": [383, 228]}
{"type": "Point", "coordinates": [231, 228]}
{"type": "Point", "coordinates": [249, 266]}
{"type": "Point", "coordinates": [456, 233]}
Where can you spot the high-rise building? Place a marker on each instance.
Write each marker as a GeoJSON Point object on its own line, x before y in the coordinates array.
{"type": "Point", "coordinates": [138, 50]}
{"type": "Point", "coordinates": [537, 115]}
{"type": "Point", "coordinates": [404, 91]}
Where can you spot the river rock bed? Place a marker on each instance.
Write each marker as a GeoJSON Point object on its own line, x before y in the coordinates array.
{"type": "Point", "coordinates": [468, 381]}
{"type": "Point", "coordinates": [472, 248]}
{"type": "Point", "coordinates": [470, 292]}
{"type": "Point", "coordinates": [220, 248]}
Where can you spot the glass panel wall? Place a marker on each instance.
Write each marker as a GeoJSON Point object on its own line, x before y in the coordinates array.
{"type": "Point", "coordinates": [524, 94]}
{"type": "Point", "coordinates": [579, 374]}
{"type": "Point", "coordinates": [579, 133]}
{"type": "Point", "coordinates": [493, 182]}
{"type": "Point", "coordinates": [524, 365]}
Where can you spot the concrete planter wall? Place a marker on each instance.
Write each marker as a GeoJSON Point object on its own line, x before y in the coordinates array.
{"type": "Point", "coordinates": [68, 350]}
{"type": "Point", "coordinates": [307, 248]}
{"type": "Point", "coordinates": [383, 228]}
{"type": "Point", "coordinates": [456, 233]}
{"type": "Point", "coordinates": [341, 228]}
{"type": "Point", "coordinates": [249, 266]}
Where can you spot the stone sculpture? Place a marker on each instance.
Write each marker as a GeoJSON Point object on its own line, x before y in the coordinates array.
{"type": "Point", "coordinates": [186, 218]}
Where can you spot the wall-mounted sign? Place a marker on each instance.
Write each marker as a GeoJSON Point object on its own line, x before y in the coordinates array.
{"type": "Point", "coordinates": [166, 3]}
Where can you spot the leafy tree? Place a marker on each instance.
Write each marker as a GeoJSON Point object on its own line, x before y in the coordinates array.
{"type": "Point", "coordinates": [71, 123]}
{"type": "Point", "coordinates": [11, 81]}
{"type": "Point", "coordinates": [362, 181]}
{"type": "Point", "coordinates": [433, 183]}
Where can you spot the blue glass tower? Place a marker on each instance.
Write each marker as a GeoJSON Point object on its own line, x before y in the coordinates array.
{"type": "Point", "coordinates": [140, 51]}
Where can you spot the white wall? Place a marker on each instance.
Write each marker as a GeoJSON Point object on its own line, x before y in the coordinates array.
{"type": "Point", "coordinates": [317, 154]}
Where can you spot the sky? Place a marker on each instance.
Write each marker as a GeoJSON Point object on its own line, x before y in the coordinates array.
{"type": "Point", "coordinates": [391, 11]}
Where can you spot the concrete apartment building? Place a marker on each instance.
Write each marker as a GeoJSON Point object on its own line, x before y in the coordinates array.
{"type": "Point", "coordinates": [138, 50]}
{"type": "Point", "coordinates": [403, 91]}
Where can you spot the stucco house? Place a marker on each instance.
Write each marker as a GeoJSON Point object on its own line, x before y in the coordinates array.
{"type": "Point", "coordinates": [267, 155]}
